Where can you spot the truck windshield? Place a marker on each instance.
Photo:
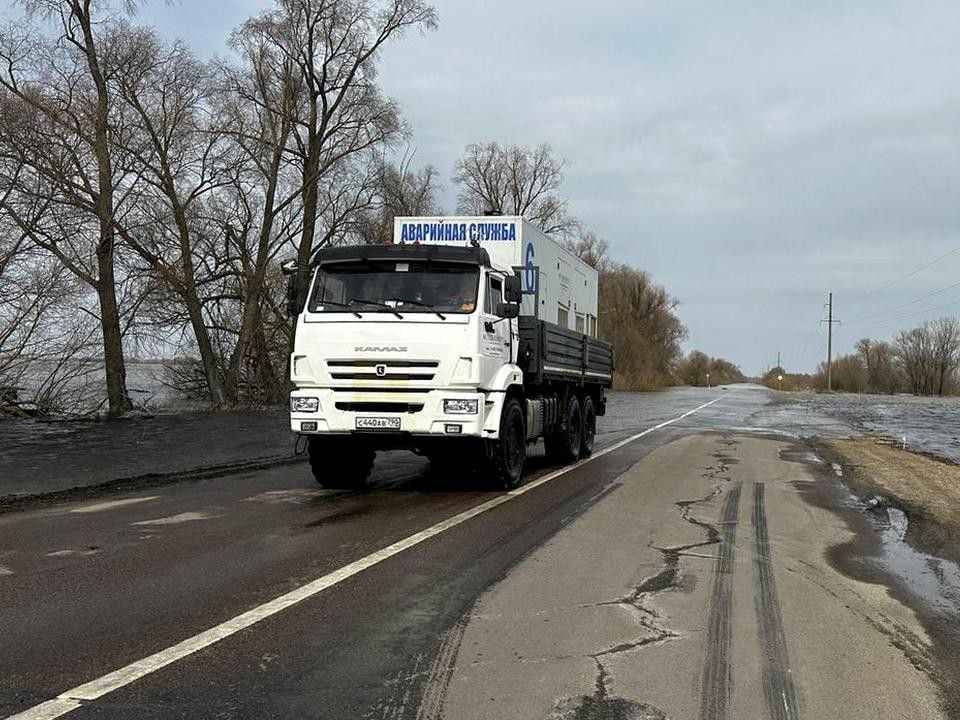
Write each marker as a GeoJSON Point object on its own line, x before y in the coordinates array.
{"type": "Point", "coordinates": [408, 287]}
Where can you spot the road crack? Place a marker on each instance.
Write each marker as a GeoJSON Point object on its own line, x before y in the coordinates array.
{"type": "Point", "coordinates": [670, 576]}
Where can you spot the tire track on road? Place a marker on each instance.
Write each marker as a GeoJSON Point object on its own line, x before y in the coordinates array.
{"type": "Point", "coordinates": [778, 688]}
{"type": "Point", "coordinates": [717, 673]}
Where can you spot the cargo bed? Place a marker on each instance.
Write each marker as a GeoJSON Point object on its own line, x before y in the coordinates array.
{"type": "Point", "coordinates": [548, 353]}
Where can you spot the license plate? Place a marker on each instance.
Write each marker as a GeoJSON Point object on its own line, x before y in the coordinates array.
{"type": "Point", "coordinates": [378, 423]}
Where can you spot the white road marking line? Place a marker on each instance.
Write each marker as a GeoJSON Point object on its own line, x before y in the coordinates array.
{"type": "Point", "coordinates": [5, 571]}
{"type": "Point", "coordinates": [615, 446]}
{"type": "Point", "coordinates": [176, 519]}
{"type": "Point", "coordinates": [110, 504]}
{"type": "Point", "coordinates": [72, 699]}
{"type": "Point", "coordinates": [71, 551]}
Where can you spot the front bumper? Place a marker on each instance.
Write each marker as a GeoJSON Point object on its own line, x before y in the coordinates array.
{"type": "Point", "coordinates": [339, 410]}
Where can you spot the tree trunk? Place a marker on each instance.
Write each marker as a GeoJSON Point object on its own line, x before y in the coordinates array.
{"type": "Point", "coordinates": [113, 362]}
{"type": "Point", "coordinates": [115, 371]}
{"type": "Point", "coordinates": [255, 281]}
{"type": "Point", "coordinates": [190, 297]}
{"type": "Point", "coordinates": [205, 347]}
{"type": "Point", "coordinates": [310, 181]}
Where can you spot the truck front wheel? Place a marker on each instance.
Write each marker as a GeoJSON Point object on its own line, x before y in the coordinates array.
{"type": "Point", "coordinates": [344, 467]}
{"type": "Point", "coordinates": [507, 454]}
{"type": "Point", "coordinates": [564, 446]}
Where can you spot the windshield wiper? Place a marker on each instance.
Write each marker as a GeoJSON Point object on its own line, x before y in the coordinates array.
{"type": "Point", "coordinates": [375, 302]}
{"type": "Point", "coordinates": [407, 301]}
{"type": "Point", "coordinates": [340, 304]}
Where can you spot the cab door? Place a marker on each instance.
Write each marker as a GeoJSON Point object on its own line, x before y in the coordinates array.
{"type": "Point", "coordinates": [494, 331]}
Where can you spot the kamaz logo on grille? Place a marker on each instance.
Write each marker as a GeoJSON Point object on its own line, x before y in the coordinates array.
{"type": "Point", "coordinates": [381, 370]}
{"type": "Point", "coordinates": [380, 348]}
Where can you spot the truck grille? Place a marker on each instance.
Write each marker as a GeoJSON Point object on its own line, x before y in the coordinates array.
{"type": "Point", "coordinates": [380, 407]}
{"type": "Point", "coordinates": [386, 370]}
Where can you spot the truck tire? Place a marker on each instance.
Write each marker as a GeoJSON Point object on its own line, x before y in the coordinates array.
{"type": "Point", "coordinates": [563, 447]}
{"type": "Point", "coordinates": [340, 464]}
{"type": "Point", "coordinates": [589, 412]}
{"type": "Point", "coordinates": [506, 456]}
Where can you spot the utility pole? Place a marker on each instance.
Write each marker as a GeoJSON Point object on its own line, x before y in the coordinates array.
{"type": "Point", "coordinates": [830, 321]}
{"type": "Point", "coordinates": [778, 360]}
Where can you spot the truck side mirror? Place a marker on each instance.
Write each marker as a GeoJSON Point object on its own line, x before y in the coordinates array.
{"type": "Point", "coordinates": [512, 291]}
{"type": "Point", "coordinates": [508, 310]}
{"type": "Point", "coordinates": [293, 292]}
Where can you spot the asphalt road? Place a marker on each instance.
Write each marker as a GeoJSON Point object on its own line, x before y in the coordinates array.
{"type": "Point", "coordinates": [684, 572]}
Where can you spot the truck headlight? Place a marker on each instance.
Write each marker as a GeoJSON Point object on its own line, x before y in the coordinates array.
{"type": "Point", "coordinates": [304, 404]}
{"type": "Point", "coordinates": [460, 407]}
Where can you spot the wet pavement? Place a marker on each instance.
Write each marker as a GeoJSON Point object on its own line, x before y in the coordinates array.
{"type": "Point", "coordinates": [44, 457]}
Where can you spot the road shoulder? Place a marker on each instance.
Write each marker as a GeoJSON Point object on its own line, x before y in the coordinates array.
{"type": "Point", "coordinates": [927, 488]}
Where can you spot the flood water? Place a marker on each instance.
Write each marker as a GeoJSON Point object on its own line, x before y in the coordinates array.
{"type": "Point", "coordinates": [930, 425]}
{"type": "Point", "coordinates": [934, 580]}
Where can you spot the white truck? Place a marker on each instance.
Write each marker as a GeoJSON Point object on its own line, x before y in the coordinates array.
{"type": "Point", "coordinates": [464, 340]}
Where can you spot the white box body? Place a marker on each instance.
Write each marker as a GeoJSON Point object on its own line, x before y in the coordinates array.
{"type": "Point", "coordinates": [567, 291]}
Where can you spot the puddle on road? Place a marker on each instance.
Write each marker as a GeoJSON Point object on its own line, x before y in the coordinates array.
{"type": "Point", "coordinates": [933, 580]}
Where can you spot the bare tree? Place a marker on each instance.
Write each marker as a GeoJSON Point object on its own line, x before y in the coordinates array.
{"type": "Point", "coordinates": [877, 357]}
{"type": "Point", "coordinates": [693, 370]}
{"type": "Point", "coordinates": [398, 191]}
{"type": "Point", "coordinates": [698, 369]}
{"type": "Point", "coordinates": [849, 374]}
{"type": "Point", "coordinates": [58, 121]}
{"type": "Point", "coordinates": [258, 212]}
{"type": "Point", "coordinates": [43, 340]}
{"type": "Point", "coordinates": [512, 180]}
{"type": "Point", "coordinates": [181, 160]}
{"type": "Point", "coordinates": [946, 348]}
{"type": "Point", "coordinates": [591, 248]}
{"type": "Point", "coordinates": [305, 112]}
{"type": "Point", "coordinates": [639, 318]}
{"type": "Point", "coordinates": [340, 112]}
{"type": "Point", "coordinates": [916, 354]}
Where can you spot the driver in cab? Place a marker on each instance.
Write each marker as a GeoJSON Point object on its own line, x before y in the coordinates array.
{"type": "Point", "coordinates": [466, 295]}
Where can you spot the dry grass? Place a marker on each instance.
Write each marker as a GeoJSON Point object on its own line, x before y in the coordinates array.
{"type": "Point", "coordinates": [927, 488]}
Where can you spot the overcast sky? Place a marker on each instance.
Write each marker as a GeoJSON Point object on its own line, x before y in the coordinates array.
{"type": "Point", "coordinates": [752, 156]}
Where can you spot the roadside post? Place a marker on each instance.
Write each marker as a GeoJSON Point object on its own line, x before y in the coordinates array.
{"type": "Point", "coordinates": [779, 382]}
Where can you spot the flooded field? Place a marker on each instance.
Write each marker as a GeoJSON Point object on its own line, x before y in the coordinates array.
{"type": "Point", "coordinates": [80, 389]}
{"type": "Point", "coordinates": [930, 425]}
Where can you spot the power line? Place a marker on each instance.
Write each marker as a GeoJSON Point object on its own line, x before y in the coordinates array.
{"type": "Point", "coordinates": [901, 278]}
{"type": "Point", "coordinates": [806, 342]}
{"type": "Point", "coordinates": [912, 315]}
{"type": "Point", "coordinates": [907, 304]}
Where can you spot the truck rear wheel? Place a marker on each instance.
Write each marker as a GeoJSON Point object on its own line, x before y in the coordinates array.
{"type": "Point", "coordinates": [589, 412]}
{"type": "Point", "coordinates": [563, 447]}
{"type": "Point", "coordinates": [341, 463]}
{"type": "Point", "coordinates": [507, 454]}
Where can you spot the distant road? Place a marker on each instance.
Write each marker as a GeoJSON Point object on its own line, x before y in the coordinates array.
{"type": "Point", "coordinates": [685, 571]}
